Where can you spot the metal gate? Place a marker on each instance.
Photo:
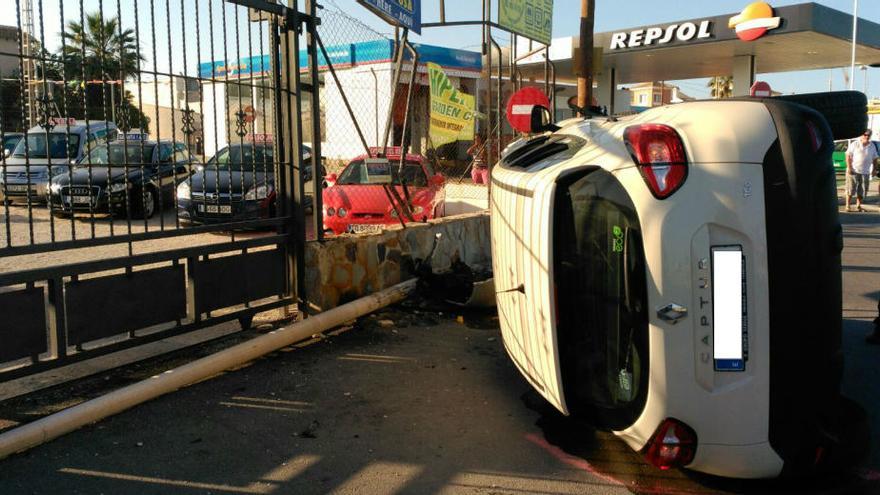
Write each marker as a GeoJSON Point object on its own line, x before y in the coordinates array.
{"type": "Point", "coordinates": [153, 181]}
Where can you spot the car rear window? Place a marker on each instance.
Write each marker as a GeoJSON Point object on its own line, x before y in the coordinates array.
{"type": "Point", "coordinates": [355, 173]}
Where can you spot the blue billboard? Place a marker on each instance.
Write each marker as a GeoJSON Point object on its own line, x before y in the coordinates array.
{"type": "Point", "coordinates": [403, 13]}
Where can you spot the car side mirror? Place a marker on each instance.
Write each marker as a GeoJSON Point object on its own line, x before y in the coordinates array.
{"type": "Point", "coordinates": [438, 180]}
{"type": "Point", "coordinates": [331, 179]}
{"type": "Point", "coordinates": [541, 120]}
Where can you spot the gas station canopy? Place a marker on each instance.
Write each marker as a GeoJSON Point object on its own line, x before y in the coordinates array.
{"type": "Point", "coordinates": [758, 40]}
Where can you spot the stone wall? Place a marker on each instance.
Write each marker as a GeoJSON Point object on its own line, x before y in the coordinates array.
{"type": "Point", "coordinates": [347, 267]}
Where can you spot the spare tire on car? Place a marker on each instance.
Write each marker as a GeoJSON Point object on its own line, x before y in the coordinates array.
{"type": "Point", "coordinates": [845, 111]}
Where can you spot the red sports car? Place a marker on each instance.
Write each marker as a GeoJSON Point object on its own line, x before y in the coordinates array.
{"type": "Point", "coordinates": [354, 203]}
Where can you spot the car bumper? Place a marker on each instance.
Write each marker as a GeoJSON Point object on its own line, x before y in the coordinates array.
{"type": "Point", "coordinates": [17, 192]}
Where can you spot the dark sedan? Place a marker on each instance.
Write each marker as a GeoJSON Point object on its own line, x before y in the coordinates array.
{"type": "Point", "coordinates": [120, 177]}
{"type": "Point", "coordinates": [237, 184]}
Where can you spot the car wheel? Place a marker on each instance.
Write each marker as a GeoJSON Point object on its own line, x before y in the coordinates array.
{"type": "Point", "coordinates": [147, 207]}
{"type": "Point", "coordinates": [845, 111]}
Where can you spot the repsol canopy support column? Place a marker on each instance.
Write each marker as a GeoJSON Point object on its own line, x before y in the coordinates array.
{"type": "Point", "coordinates": [606, 89]}
{"type": "Point", "coordinates": [743, 74]}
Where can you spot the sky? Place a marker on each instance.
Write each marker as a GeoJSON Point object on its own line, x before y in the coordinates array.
{"type": "Point", "coordinates": [346, 19]}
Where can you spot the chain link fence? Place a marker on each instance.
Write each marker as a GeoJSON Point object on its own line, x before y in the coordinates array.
{"type": "Point", "coordinates": [363, 116]}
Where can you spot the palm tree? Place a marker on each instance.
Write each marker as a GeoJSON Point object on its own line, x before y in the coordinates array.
{"type": "Point", "coordinates": [721, 87]}
{"type": "Point", "coordinates": [98, 49]}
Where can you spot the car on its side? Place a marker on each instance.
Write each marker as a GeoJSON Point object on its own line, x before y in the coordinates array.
{"type": "Point", "coordinates": [132, 176]}
{"type": "Point", "coordinates": [237, 184]}
{"type": "Point", "coordinates": [353, 204]}
{"type": "Point", "coordinates": [49, 151]}
{"type": "Point", "coordinates": [674, 277]}
{"type": "Point", "coordinates": [8, 142]}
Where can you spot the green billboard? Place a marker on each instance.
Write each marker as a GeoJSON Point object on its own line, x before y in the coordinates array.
{"type": "Point", "coordinates": [532, 19]}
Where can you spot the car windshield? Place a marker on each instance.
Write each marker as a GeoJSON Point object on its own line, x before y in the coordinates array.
{"type": "Point", "coordinates": [119, 154]}
{"type": "Point", "coordinates": [246, 157]}
{"type": "Point", "coordinates": [58, 146]}
{"type": "Point", "coordinates": [9, 142]}
{"type": "Point", "coordinates": [356, 173]}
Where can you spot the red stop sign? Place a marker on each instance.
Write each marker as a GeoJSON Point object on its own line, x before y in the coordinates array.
{"type": "Point", "coordinates": [520, 104]}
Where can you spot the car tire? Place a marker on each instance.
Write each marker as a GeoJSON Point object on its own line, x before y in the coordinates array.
{"type": "Point", "coordinates": [148, 204]}
{"type": "Point", "coordinates": [845, 111]}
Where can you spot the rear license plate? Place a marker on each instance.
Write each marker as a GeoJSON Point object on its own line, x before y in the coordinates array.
{"type": "Point", "coordinates": [215, 209]}
{"type": "Point", "coordinates": [366, 228]}
{"type": "Point", "coordinates": [729, 316]}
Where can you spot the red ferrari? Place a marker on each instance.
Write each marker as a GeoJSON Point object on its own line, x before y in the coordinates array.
{"type": "Point", "coordinates": [354, 204]}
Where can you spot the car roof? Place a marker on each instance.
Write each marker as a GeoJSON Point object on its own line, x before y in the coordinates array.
{"type": "Point", "coordinates": [410, 157]}
{"type": "Point", "coordinates": [77, 127]}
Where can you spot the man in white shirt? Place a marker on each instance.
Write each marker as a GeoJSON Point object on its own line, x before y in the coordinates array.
{"type": "Point", "coordinates": [860, 157]}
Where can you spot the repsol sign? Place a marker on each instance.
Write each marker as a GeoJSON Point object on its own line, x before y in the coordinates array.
{"type": "Point", "coordinates": [658, 36]}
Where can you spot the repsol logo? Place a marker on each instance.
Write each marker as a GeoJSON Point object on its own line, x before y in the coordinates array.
{"type": "Point", "coordinates": [660, 36]}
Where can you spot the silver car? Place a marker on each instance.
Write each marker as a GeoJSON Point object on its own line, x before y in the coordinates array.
{"type": "Point", "coordinates": [25, 173]}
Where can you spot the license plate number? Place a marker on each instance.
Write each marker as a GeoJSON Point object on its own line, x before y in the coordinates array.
{"type": "Point", "coordinates": [366, 228]}
{"type": "Point", "coordinates": [82, 199]}
{"type": "Point", "coordinates": [215, 208]}
{"type": "Point", "coordinates": [22, 188]}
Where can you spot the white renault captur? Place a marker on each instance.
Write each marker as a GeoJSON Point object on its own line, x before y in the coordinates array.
{"type": "Point", "coordinates": [675, 278]}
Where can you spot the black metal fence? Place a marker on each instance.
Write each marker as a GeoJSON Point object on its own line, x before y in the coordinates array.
{"type": "Point", "coordinates": [152, 174]}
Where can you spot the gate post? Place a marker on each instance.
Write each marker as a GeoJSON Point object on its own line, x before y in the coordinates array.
{"type": "Point", "coordinates": [315, 111]}
{"type": "Point", "coordinates": [289, 130]}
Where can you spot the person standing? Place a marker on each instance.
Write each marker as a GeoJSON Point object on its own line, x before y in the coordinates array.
{"type": "Point", "coordinates": [480, 167]}
{"type": "Point", "coordinates": [860, 157]}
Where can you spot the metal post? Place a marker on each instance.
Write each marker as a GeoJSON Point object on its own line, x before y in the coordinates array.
{"type": "Point", "coordinates": [290, 148]}
{"type": "Point", "coordinates": [487, 50]}
{"type": "Point", "coordinates": [312, 40]}
{"type": "Point", "coordinates": [585, 61]}
{"type": "Point", "coordinates": [395, 84]}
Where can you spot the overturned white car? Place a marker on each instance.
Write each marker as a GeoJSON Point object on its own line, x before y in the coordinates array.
{"type": "Point", "coordinates": [675, 277]}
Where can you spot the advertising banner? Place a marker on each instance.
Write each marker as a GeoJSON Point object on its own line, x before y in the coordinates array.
{"type": "Point", "coordinates": [403, 13]}
{"type": "Point", "coordinates": [530, 18]}
{"type": "Point", "coordinates": [452, 112]}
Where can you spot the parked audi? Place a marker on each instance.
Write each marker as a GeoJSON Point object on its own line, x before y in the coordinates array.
{"type": "Point", "coordinates": [355, 202]}
{"type": "Point", "coordinates": [129, 175]}
{"type": "Point", "coordinates": [236, 184]}
{"type": "Point", "coordinates": [26, 174]}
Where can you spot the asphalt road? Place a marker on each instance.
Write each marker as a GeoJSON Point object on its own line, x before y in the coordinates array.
{"type": "Point", "coordinates": [426, 405]}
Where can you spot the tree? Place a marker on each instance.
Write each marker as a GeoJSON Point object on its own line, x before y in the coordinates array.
{"type": "Point", "coordinates": [721, 87]}
{"type": "Point", "coordinates": [100, 50]}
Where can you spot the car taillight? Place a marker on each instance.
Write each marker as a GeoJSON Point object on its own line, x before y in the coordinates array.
{"type": "Point", "coordinates": [659, 153]}
{"type": "Point", "coordinates": [672, 445]}
{"type": "Point", "coordinates": [815, 137]}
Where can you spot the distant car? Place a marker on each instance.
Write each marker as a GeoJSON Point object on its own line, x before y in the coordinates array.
{"type": "Point", "coordinates": [126, 175]}
{"type": "Point", "coordinates": [8, 142]}
{"type": "Point", "coordinates": [353, 204]}
{"type": "Point", "coordinates": [27, 172]}
{"type": "Point", "coordinates": [839, 155]}
{"type": "Point", "coordinates": [237, 184]}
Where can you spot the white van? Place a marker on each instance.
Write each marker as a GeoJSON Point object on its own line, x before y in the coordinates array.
{"type": "Point", "coordinates": [46, 152]}
{"type": "Point", "coordinates": [675, 278]}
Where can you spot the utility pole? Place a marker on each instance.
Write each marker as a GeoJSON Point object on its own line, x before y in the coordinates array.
{"type": "Point", "coordinates": [585, 60]}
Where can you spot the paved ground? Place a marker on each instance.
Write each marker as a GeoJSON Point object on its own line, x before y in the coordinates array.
{"type": "Point", "coordinates": [429, 405]}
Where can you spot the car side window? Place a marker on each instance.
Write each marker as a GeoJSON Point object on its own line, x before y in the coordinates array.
{"type": "Point", "coordinates": [165, 153]}
{"type": "Point", "coordinates": [181, 154]}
